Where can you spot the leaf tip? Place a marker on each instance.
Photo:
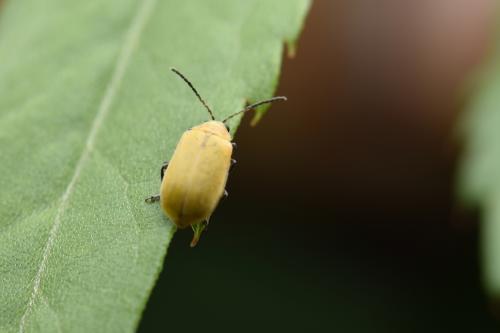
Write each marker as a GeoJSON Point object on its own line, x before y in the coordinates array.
{"type": "Point", "coordinates": [197, 229]}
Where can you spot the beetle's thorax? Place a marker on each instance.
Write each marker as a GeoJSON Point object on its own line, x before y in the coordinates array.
{"type": "Point", "coordinates": [214, 127]}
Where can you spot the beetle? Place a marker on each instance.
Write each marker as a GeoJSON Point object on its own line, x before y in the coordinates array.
{"type": "Point", "coordinates": [194, 180]}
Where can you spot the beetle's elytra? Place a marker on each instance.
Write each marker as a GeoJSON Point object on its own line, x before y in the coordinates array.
{"type": "Point", "coordinates": [194, 180]}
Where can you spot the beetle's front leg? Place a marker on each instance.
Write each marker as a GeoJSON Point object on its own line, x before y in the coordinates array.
{"type": "Point", "coordinates": [233, 163]}
{"type": "Point", "coordinates": [156, 198]}
{"type": "Point", "coordinates": [164, 167]}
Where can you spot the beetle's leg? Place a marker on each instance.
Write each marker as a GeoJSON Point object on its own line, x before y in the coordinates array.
{"type": "Point", "coordinates": [205, 223]}
{"type": "Point", "coordinates": [153, 198]}
{"type": "Point", "coordinates": [233, 163]}
{"type": "Point", "coordinates": [164, 167]}
{"type": "Point", "coordinates": [222, 197]}
{"type": "Point", "coordinates": [234, 145]}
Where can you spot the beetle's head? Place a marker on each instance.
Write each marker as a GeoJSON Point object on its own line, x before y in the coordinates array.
{"type": "Point", "coordinates": [215, 127]}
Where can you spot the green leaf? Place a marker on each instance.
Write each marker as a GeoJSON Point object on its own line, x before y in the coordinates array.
{"type": "Point", "coordinates": [480, 171]}
{"type": "Point", "coordinates": [89, 111]}
{"type": "Point", "coordinates": [479, 174]}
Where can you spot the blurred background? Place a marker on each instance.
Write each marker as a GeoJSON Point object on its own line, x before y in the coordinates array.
{"type": "Point", "coordinates": [342, 214]}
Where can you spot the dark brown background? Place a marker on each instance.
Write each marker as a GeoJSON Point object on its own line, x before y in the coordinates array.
{"type": "Point", "coordinates": [342, 214]}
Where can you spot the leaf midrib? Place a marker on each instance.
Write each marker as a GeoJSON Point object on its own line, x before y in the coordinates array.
{"type": "Point", "coordinates": [131, 40]}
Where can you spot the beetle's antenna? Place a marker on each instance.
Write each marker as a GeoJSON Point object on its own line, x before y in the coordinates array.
{"type": "Point", "coordinates": [194, 90]}
{"type": "Point", "coordinates": [253, 106]}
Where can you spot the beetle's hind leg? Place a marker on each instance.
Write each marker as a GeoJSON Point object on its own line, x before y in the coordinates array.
{"type": "Point", "coordinates": [152, 199]}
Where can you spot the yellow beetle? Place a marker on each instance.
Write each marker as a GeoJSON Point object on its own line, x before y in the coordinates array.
{"type": "Point", "coordinates": [194, 180]}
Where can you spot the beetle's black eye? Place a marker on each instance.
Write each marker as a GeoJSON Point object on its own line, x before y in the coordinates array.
{"type": "Point", "coordinates": [227, 127]}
